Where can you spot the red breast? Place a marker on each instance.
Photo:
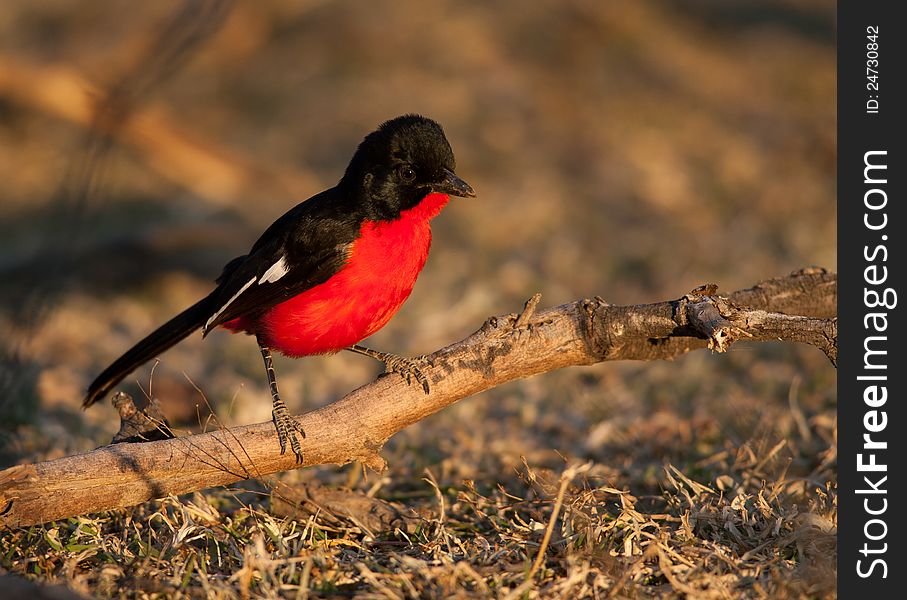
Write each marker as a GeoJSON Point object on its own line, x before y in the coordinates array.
{"type": "Point", "coordinates": [361, 298]}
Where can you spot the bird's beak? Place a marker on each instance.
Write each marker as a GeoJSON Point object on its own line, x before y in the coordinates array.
{"type": "Point", "coordinates": [454, 186]}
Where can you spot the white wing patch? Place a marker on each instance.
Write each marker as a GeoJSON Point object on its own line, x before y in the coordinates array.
{"type": "Point", "coordinates": [275, 272]}
{"type": "Point", "coordinates": [230, 301]}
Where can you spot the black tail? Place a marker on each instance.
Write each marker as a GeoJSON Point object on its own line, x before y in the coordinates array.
{"type": "Point", "coordinates": [162, 338]}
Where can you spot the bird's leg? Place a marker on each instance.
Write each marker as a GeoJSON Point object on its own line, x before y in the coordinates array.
{"type": "Point", "coordinates": [287, 426]}
{"type": "Point", "coordinates": [408, 368]}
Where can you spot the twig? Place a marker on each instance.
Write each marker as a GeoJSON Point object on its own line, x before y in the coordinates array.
{"type": "Point", "coordinates": [357, 426]}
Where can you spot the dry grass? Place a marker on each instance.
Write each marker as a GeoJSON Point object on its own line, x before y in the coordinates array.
{"type": "Point", "coordinates": [737, 527]}
{"type": "Point", "coordinates": [666, 507]}
{"type": "Point", "coordinates": [628, 149]}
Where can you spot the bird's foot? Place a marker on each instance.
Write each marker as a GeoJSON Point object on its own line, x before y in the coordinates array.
{"type": "Point", "coordinates": [287, 427]}
{"type": "Point", "coordinates": [408, 368]}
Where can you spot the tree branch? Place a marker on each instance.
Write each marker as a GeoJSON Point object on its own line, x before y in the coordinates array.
{"type": "Point", "coordinates": [798, 308]}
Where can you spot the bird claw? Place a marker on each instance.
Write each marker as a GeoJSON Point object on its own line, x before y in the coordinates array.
{"type": "Point", "coordinates": [287, 427]}
{"type": "Point", "coordinates": [409, 369]}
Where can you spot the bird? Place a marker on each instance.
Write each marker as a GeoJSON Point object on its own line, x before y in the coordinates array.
{"type": "Point", "coordinates": [332, 270]}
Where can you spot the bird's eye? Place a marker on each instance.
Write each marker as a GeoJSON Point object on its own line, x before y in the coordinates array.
{"type": "Point", "coordinates": [407, 173]}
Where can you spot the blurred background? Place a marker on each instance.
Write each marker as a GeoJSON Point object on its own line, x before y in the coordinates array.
{"type": "Point", "coordinates": [632, 150]}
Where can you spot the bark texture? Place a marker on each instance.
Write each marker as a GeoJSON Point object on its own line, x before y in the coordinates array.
{"type": "Point", "coordinates": [800, 307]}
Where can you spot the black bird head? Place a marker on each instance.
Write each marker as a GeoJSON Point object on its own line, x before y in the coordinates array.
{"type": "Point", "coordinates": [400, 163]}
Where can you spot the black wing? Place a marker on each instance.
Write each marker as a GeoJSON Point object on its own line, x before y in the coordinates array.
{"type": "Point", "coordinates": [302, 249]}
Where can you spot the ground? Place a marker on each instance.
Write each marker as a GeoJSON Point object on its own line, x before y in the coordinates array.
{"type": "Point", "coordinates": [630, 150]}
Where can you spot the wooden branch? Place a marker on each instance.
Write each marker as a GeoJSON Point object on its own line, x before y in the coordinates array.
{"type": "Point", "coordinates": [357, 426]}
{"type": "Point", "coordinates": [219, 174]}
